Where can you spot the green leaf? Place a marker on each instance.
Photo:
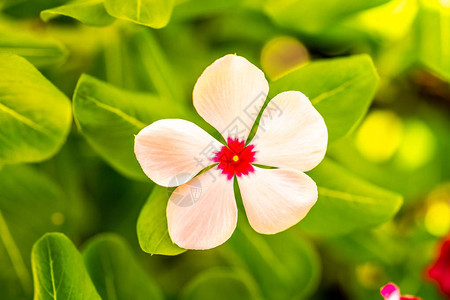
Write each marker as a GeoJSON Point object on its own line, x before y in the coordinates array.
{"type": "Point", "coordinates": [89, 12]}
{"type": "Point", "coordinates": [35, 117]}
{"type": "Point", "coordinates": [37, 48]}
{"type": "Point", "coordinates": [115, 271]}
{"type": "Point", "coordinates": [434, 35]}
{"type": "Point", "coordinates": [58, 270]}
{"type": "Point", "coordinates": [30, 205]}
{"type": "Point", "coordinates": [340, 89]}
{"type": "Point", "coordinates": [308, 16]}
{"type": "Point", "coordinates": [27, 8]}
{"type": "Point", "coordinates": [293, 265]}
{"type": "Point", "coordinates": [358, 246]}
{"type": "Point", "coordinates": [109, 118]}
{"type": "Point", "coordinates": [346, 202]}
{"type": "Point", "coordinates": [152, 13]}
{"type": "Point", "coordinates": [152, 228]}
{"type": "Point", "coordinates": [223, 283]}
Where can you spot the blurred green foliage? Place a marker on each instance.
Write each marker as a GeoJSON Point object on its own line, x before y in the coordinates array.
{"type": "Point", "coordinates": [128, 63]}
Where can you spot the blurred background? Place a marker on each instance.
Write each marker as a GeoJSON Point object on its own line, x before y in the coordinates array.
{"type": "Point", "coordinates": [401, 145]}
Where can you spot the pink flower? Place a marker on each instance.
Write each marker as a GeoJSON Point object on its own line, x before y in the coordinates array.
{"type": "Point", "coordinates": [440, 271]}
{"type": "Point", "coordinates": [391, 292]}
{"type": "Point", "coordinates": [292, 137]}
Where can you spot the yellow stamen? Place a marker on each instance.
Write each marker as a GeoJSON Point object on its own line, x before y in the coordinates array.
{"type": "Point", "coordinates": [235, 158]}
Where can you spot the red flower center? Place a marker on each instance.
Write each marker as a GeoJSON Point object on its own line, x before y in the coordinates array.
{"type": "Point", "coordinates": [236, 158]}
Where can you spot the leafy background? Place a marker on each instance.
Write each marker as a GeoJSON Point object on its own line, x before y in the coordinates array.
{"type": "Point", "coordinates": [78, 218]}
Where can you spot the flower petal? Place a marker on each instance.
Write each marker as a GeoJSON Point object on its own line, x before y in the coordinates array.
{"type": "Point", "coordinates": [202, 213]}
{"type": "Point", "coordinates": [229, 95]}
{"type": "Point", "coordinates": [291, 133]}
{"type": "Point", "coordinates": [172, 151]}
{"type": "Point", "coordinates": [276, 199]}
{"type": "Point", "coordinates": [390, 292]}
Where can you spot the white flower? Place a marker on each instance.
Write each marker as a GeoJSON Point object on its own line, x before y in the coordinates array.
{"type": "Point", "coordinates": [292, 137]}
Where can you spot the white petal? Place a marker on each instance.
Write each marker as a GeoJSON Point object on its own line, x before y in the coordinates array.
{"type": "Point", "coordinates": [202, 213]}
{"type": "Point", "coordinates": [276, 199]}
{"type": "Point", "coordinates": [172, 151]}
{"type": "Point", "coordinates": [229, 95]}
{"type": "Point", "coordinates": [291, 133]}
